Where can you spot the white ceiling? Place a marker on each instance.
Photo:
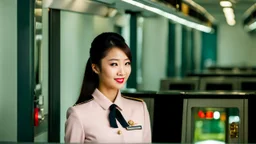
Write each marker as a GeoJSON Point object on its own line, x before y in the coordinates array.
{"type": "Point", "coordinates": [214, 8]}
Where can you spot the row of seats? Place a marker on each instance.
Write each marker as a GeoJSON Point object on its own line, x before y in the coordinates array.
{"type": "Point", "coordinates": [231, 69]}
{"type": "Point", "coordinates": [209, 83]}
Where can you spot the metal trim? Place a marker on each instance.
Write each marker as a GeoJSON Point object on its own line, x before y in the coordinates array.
{"type": "Point", "coordinates": [218, 80]}
{"type": "Point", "coordinates": [201, 10]}
{"type": "Point", "coordinates": [246, 114]}
{"type": "Point", "coordinates": [171, 10]}
{"type": "Point", "coordinates": [249, 11]}
{"type": "Point", "coordinates": [25, 69]}
{"type": "Point", "coordinates": [223, 103]}
{"type": "Point", "coordinates": [164, 83]}
{"type": "Point", "coordinates": [80, 6]}
{"type": "Point", "coordinates": [54, 76]}
{"type": "Point", "coordinates": [184, 121]}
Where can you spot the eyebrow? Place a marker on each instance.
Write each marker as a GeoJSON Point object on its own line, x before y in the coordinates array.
{"type": "Point", "coordinates": [113, 59]}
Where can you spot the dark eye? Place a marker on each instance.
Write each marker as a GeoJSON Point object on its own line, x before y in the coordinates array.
{"type": "Point", "coordinates": [113, 64]}
{"type": "Point", "coordinates": [128, 63]}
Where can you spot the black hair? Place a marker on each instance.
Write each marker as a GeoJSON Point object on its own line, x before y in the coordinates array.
{"type": "Point", "coordinates": [100, 47]}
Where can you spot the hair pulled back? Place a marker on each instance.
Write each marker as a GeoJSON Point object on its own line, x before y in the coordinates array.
{"type": "Point", "coordinates": [100, 47]}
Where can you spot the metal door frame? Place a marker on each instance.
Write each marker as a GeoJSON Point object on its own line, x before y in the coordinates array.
{"type": "Point", "coordinates": [54, 76]}
{"type": "Point", "coordinates": [25, 70]}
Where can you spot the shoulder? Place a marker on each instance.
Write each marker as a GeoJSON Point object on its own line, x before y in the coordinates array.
{"type": "Point", "coordinates": [79, 108]}
{"type": "Point", "coordinates": [133, 102]}
{"type": "Point", "coordinates": [133, 98]}
{"type": "Point", "coordinates": [84, 102]}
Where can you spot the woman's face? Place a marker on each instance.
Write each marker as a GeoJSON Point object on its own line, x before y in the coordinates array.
{"type": "Point", "coordinates": [115, 69]}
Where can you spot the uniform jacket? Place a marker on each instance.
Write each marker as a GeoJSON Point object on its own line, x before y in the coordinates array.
{"type": "Point", "coordinates": [88, 121]}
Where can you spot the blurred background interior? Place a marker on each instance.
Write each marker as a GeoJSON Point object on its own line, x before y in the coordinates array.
{"type": "Point", "coordinates": [194, 65]}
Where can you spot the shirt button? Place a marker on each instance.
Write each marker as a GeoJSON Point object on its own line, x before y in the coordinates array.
{"type": "Point", "coordinates": [130, 122]}
{"type": "Point", "coordinates": [119, 132]}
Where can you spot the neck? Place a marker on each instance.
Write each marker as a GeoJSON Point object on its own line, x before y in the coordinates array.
{"type": "Point", "coordinates": [109, 93]}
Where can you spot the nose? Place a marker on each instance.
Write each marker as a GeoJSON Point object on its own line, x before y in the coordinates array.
{"type": "Point", "coordinates": [121, 71]}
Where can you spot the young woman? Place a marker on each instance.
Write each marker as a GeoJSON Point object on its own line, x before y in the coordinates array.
{"type": "Point", "coordinates": [101, 114]}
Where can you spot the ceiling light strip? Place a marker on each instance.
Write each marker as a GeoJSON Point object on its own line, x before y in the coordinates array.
{"type": "Point", "coordinates": [170, 16]}
{"type": "Point", "coordinates": [225, 3]}
{"type": "Point", "coordinates": [200, 8]}
{"type": "Point", "coordinates": [252, 26]}
{"type": "Point", "coordinates": [249, 11]}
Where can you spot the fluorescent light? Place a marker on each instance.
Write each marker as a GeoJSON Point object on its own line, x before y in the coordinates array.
{"type": "Point", "coordinates": [231, 22]}
{"type": "Point", "coordinates": [252, 26]}
{"type": "Point", "coordinates": [229, 15]}
{"type": "Point", "coordinates": [170, 16]}
{"type": "Point", "coordinates": [225, 3]}
{"type": "Point", "coordinates": [112, 12]}
{"type": "Point", "coordinates": [228, 10]}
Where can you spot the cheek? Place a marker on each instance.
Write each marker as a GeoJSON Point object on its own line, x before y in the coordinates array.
{"type": "Point", "coordinates": [109, 73]}
{"type": "Point", "coordinates": [128, 70]}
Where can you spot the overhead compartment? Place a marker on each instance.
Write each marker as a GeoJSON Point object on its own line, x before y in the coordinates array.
{"type": "Point", "coordinates": [82, 6]}
{"type": "Point", "coordinates": [184, 12]}
{"type": "Point", "coordinates": [249, 20]}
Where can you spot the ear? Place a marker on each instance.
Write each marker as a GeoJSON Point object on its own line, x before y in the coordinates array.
{"type": "Point", "coordinates": [95, 68]}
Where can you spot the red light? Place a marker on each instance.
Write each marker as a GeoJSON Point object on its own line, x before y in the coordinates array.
{"type": "Point", "coordinates": [201, 114]}
{"type": "Point", "coordinates": [209, 115]}
{"type": "Point", "coordinates": [36, 120]}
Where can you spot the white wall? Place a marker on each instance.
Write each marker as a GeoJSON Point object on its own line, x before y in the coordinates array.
{"type": "Point", "coordinates": [76, 35]}
{"type": "Point", "coordinates": [45, 59]}
{"type": "Point", "coordinates": [102, 24]}
{"type": "Point", "coordinates": [235, 46]}
{"type": "Point", "coordinates": [197, 48]}
{"type": "Point", "coordinates": [43, 138]}
{"type": "Point", "coordinates": [8, 70]}
{"type": "Point", "coordinates": [154, 58]}
{"type": "Point", "coordinates": [124, 22]}
{"type": "Point", "coordinates": [77, 32]}
{"type": "Point", "coordinates": [178, 49]}
{"type": "Point", "coordinates": [140, 21]}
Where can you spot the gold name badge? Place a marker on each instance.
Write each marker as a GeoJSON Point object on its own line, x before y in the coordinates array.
{"type": "Point", "coordinates": [138, 127]}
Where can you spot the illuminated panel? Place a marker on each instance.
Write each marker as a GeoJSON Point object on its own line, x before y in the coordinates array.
{"type": "Point", "coordinates": [210, 124]}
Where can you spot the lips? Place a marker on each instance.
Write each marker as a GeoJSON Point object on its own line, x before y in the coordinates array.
{"type": "Point", "coordinates": [119, 80]}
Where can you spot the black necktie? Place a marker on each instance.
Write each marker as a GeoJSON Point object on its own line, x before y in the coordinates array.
{"type": "Point", "coordinates": [116, 114]}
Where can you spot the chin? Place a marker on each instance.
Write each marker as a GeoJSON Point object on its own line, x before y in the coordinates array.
{"type": "Point", "coordinates": [116, 87]}
{"type": "Point", "coordinates": [120, 86]}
